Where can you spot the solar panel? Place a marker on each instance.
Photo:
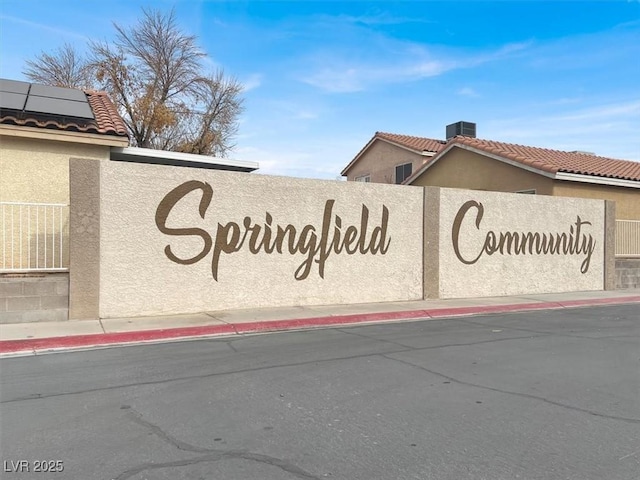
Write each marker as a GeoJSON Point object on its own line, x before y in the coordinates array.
{"type": "Point", "coordinates": [44, 99]}
{"type": "Point", "coordinates": [57, 106]}
{"type": "Point", "coordinates": [13, 86]}
{"type": "Point", "coordinates": [58, 92]}
{"type": "Point", "coordinates": [14, 101]}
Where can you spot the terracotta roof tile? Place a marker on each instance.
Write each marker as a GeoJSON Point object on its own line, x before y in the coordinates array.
{"type": "Point", "coordinates": [107, 120]}
{"type": "Point", "coordinates": [419, 144]}
{"type": "Point", "coordinates": [554, 161]}
{"type": "Point", "coordinates": [106, 113]}
{"type": "Point", "coordinates": [544, 159]}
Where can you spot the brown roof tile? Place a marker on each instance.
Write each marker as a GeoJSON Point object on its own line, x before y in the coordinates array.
{"type": "Point", "coordinates": [544, 159]}
{"type": "Point", "coordinates": [107, 120]}
{"type": "Point", "coordinates": [419, 144]}
{"type": "Point", "coordinates": [554, 161]}
{"type": "Point", "coordinates": [106, 113]}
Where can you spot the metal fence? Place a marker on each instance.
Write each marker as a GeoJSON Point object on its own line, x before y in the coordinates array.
{"type": "Point", "coordinates": [628, 238]}
{"type": "Point", "coordinates": [34, 237]}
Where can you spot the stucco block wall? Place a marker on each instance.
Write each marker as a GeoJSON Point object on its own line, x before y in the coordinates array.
{"type": "Point", "coordinates": [37, 171]}
{"type": "Point", "coordinates": [461, 168]}
{"type": "Point", "coordinates": [627, 199]}
{"type": "Point", "coordinates": [380, 162]}
{"type": "Point", "coordinates": [472, 263]}
{"type": "Point", "coordinates": [34, 298]}
{"type": "Point", "coordinates": [138, 277]}
{"type": "Point", "coordinates": [627, 273]}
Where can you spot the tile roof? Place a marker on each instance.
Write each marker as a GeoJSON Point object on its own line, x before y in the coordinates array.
{"type": "Point", "coordinates": [420, 144]}
{"type": "Point", "coordinates": [107, 120]}
{"type": "Point", "coordinates": [107, 117]}
{"type": "Point", "coordinates": [417, 144]}
{"type": "Point", "coordinates": [545, 159]}
{"type": "Point", "coordinates": [554, 161]}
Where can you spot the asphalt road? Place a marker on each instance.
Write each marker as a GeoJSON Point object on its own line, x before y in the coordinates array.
{"type": "Point", "coordinates": [543, 395]}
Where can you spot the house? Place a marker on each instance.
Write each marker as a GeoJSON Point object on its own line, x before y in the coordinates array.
{"type": "Point", "coordinates": [41, 128]}
{"type": "Point", "coordinates": [464, 161]}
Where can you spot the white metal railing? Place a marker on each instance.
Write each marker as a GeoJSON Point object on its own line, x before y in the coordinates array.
{"type": "Point", "coordinates": [34, 237]}
{"type": "Point", "coordinates": [628, 238]}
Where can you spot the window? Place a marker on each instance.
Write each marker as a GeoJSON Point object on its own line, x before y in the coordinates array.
{"type": "Point", "coordinates": [403, 172]}
{"type": "Point", "coordinates": [363, 178]}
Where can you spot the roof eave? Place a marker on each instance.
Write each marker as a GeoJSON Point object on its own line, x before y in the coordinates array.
{"type": "Point", "coordinates": [572, 177]}
{"type": "Point", "coordinates": [484, 153]}
{"type": "Point", "coordinates": [106, 140]}
{"type": "Point", "coordinates": [614, 182]}
{"type": "Point", "coordinates": [390, 142]}
{"type": "Point", "coordinates": [357, 157]}
{"type": "Point", "coordinates": [166, 157]}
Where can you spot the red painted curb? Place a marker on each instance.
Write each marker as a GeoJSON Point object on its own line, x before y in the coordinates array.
{"type": "Point", "coordinates": [97, 339]}
{"type": "Point", "coordinates": [119, 338]}
{"type": "Point", "coordinates": [599, 301]}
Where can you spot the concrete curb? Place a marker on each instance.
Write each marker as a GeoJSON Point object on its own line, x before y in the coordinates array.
{"type": "Point", "coordinates": [84, 341]}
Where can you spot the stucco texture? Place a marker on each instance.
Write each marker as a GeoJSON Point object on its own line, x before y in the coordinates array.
{"type": "Point", "coordinates": [461, 168]}
{"type": "Point", "coordinates": [505, 273]}
{"type": "Point", "coordinates": [627, 199]}
{"type": "Point", "coordinates": [38, 170]}
{"type": "Point", "coordinates": [380, 161]}
{"type": "Point", "coordinates": [138, 278]}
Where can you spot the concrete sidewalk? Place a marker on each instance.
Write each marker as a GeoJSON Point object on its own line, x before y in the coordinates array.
{"type": "Point", "coordinates": [39, 337]}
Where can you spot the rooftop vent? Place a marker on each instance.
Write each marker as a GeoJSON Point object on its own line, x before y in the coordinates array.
{"type": "Point", "coordinates": [593, 154]}
{"type": "Point", "coordinates": [466, 129]}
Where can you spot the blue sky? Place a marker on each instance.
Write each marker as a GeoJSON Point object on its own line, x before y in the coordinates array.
{"type": "Point", "coordinates": [322, 77]}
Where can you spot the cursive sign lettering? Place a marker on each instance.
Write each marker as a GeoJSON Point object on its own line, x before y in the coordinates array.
{"type": "Point", "coordinates": [316, 245]}
{"type": "Point", "coordinates": [575, 242]}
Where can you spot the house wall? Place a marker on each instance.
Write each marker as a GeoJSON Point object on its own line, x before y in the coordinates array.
{"type": "Point", "coordinates": [35, 170]}
{"type": "Point", "coordinates": [627, 199]}
{"type": "Point", "coordinates": [380, 162]}
{"type": "Point", "coordinates": [461, 168]}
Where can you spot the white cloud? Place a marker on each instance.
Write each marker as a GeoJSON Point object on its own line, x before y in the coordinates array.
{"type": "Point", "coordinates": [46, 28]}
{"type": "Point", "coordinates": [252, 82]}
{"type": "Point", "coordinates": [405, 62]}
{"type": "Point", "coordinates": [467, 92]}
{"type": "Point", "coordinates": [609, 130]}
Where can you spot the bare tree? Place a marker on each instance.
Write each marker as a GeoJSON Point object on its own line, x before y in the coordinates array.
{"type": "Point", "coordinates": [209, 127]}
{"type": "Point", "coordinates": [154, 73]}
{"type": "Point", "coordinates": [64, 68]}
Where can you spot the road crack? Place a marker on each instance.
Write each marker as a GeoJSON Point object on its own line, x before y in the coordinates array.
{"type": "Point", "coordinates": [518, 394]}
{"type": "Point", "coordinates": [207, 454]}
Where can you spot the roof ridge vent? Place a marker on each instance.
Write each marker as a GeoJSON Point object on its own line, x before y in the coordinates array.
{"type": "Point", "coordinates": [583, 152]}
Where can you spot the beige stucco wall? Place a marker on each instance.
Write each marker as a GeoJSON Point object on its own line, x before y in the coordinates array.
{"type": "Point", "coordinates": [136, 277]}
{"type": "Point", "coordinates": [35, 170]}
{"type": "Point", "coordinates": [460, 168]}
{"type": "Point", "coordinates": [507, 273]}
{"type": "Point", "coordinates": [627, 199]}
{"type": "Point", "coordinates": [380, 161]}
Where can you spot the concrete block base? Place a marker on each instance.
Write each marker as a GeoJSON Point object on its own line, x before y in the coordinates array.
{"type": "Point", "coordinates": [34, 297]}
{"type": "Point", "coordinates": [627, 273]}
